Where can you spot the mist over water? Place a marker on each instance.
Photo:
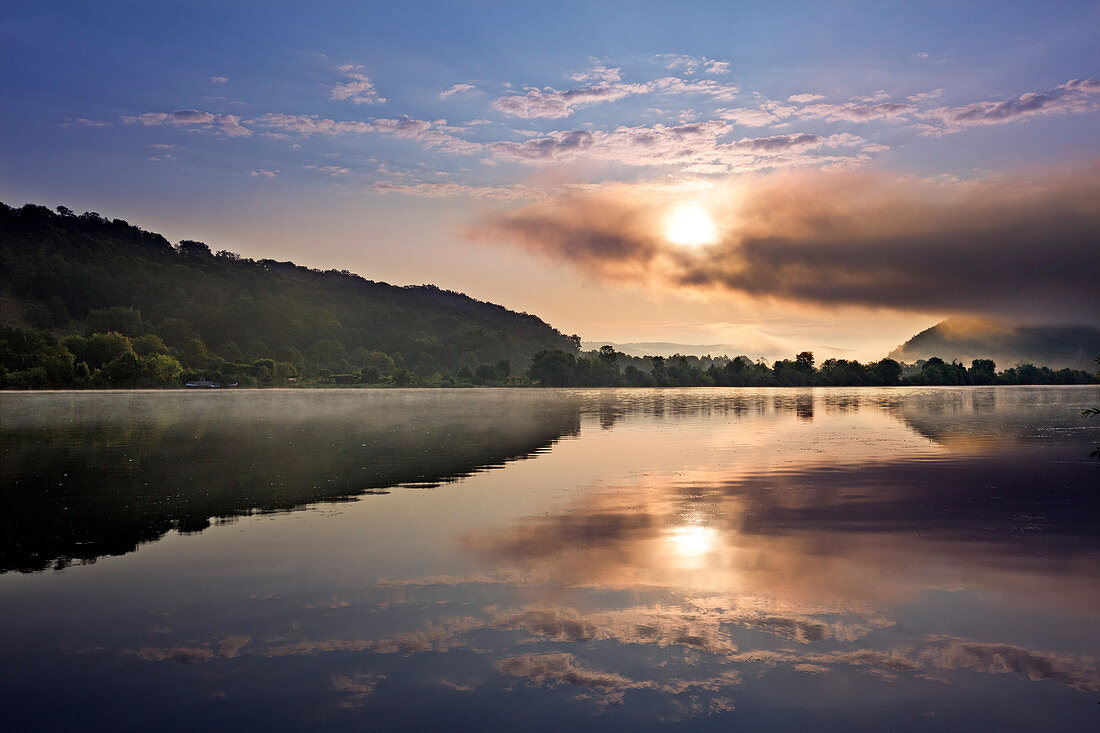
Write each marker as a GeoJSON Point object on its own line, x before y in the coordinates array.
{"type": "Point", "coordinates": [497, 559]}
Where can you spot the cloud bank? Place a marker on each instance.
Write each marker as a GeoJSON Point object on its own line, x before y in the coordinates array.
{"type": "Point", "coordinates": [1021, 248]}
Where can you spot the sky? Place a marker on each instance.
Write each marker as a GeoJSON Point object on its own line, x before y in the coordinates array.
{"type": "Point", "coordinates": [832, 176]}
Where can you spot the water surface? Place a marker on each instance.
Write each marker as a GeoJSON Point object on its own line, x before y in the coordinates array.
{"type": "Point", "coordinates": [490, 559]}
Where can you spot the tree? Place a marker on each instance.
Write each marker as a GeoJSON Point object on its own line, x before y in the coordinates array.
{"type": "Point", "coordinates": [369, 375]}
{"type": "Point", "coordinates": [191, 248]}
{"type": "Point", "coordinates": [119, 319]}
{"type": "Point", "coordinates": [552, 368]}
{"type": "Point", "coordinates": [888, 372]}
{"type": "Point", "coordinates": [804, 362]}
{"type": "Point", "coordinates": [98, 349]}
{"type": "Point", "coordinates": [983, 371]}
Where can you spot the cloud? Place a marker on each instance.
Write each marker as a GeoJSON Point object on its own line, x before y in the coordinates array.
{"type": "Point", "coordinates": [332, 170]}
{"type": "Point", "coordinates": [358, 88]}
{"type": "Point", "coordinates": [219, 79]}
{"type": "Point", "coordinates": [804, 98]}
{"type": "Point", "coordinates": [555, 104]}
{"type": "Point", "coordinates": [925, 96]}
{"type": "Point", "coordinates": [309, 124]}
{"type": "Point", "coordinates": [457, 89]}
{"type": "Point", "coordinates": [432, 134]}
{"type": "Point", "coordinates": [263, 173]}
{"type": "Point", "coordinates": [1025, 248]}
{"type": "Point", "coordinates": [90, 123]}
{"type": "Point", "coordinates": [765, 115]}
{"type": "Point", "coordinates": [1074, 96]}
{"type": "Point", "coordinates": [675, 85]}
{"type": "Point", "coordinates": [228, 125]}
{"type": "Point", "coordinates": [692, 64]}
{"type": "Point", "coordinates": [711, 66]}
{"type": "Point", "coordinates": [694, 146]}
{"type": "Point", "coordinates": [606, 74]}
{"type": "Point", "coordinates": [854, 112]}
{"type": "Point", "coordinates": [555, 147]}
{"type": "Point", "coordinates": [445, 190]}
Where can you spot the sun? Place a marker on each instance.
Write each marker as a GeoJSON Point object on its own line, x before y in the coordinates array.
{"type": "Point", "coordinates": [691, 225]}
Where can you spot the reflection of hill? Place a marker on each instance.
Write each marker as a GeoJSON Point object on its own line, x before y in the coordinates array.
{"type": "Point", "coordinates": [966, 417]}
{"type": "Point", "coordinates": [119, 470]}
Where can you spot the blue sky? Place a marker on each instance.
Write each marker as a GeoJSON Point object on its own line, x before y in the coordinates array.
{"type": "Point", "coordinates": [390, 138]}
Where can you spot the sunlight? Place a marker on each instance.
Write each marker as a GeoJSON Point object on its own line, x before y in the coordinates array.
{"type": "Point", "coordinates": [691, 225]}
{"type": "Point", "coordinates": [692, 542]}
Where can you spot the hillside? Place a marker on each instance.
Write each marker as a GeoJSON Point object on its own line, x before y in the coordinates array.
{"type": "Point", "coordinates": [219, 314]}
{"type": "Point", "coordinates": [1075, 347]}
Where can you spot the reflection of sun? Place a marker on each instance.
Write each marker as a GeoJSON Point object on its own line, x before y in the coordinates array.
{"type": "Point", "coordinates": [690, 224]}
{"type": "Point", "coordinates": [693, 541]}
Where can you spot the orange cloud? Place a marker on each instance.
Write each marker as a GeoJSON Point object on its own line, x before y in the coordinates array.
{"type": "Point", "coordinates": [1019, 247]}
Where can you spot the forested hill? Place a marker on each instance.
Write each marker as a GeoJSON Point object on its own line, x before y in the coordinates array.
{"type": "Point", "coordinates": [1074, 347]}
{"type": "Point", "coordinates": [66, 277]}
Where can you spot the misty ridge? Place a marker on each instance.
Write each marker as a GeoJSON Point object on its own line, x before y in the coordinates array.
{"type": "Point", "coordinates": [186, 313]}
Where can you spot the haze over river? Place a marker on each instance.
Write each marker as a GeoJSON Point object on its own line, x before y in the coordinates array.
{"type": "Point", "coordinates": [879, 559]}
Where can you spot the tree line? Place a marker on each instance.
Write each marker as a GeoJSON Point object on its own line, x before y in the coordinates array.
{"type": "Point", "coordinates": [603, 369]}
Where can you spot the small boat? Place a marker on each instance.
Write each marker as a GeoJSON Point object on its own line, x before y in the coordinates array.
{"type": "Point", "coordinates": [203, 384]}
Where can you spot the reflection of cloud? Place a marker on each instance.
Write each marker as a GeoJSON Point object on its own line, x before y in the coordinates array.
{"type": "Point", "coordinates": [356, 688]}
{"type": "Point", "coordinates": [1081, 673]}
{"type": "Point", "coordinates": [562, 668]}
{"type": "Point", "coordinates": [655, 626]}
{"type": "Point", "coordinates": [228, 648]}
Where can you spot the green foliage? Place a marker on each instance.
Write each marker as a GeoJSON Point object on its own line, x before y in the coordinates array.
{"type": "Point", "coordinates": [219, 313]}
{"type": "Point", "coordinates": [552, 369]}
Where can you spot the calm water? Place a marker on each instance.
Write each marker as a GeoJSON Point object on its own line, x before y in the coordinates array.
{"type": "Point", "coordinates": [523, 559]}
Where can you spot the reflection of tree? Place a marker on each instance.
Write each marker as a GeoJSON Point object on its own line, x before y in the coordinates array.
{"type": "Point", "coordinates": [79, 487]}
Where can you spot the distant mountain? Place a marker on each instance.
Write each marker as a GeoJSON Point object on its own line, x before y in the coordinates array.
{"type": "Point", "coordinates": [667, 348]}
{"type": "Point", "coordinates": [1075, 347]}
{"type": "Point", "coordinates": [216, 312]}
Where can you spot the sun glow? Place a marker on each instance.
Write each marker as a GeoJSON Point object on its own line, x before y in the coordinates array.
{"type": "Point", "coordinates": [691, 225]}
{"type": "Point", "coordinates": [693, 541]}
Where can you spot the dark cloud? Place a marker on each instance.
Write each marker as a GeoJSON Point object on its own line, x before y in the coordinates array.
{"type": "Point", "coordinates": [191, 116]}
{"type": "Point", "coordinates": [1019, 248]}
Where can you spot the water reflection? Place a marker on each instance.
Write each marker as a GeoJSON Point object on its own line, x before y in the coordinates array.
{"type": "Point", "coordinates": [89, 475]}
{"type": "Point", "coordinates": [774, 558]}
